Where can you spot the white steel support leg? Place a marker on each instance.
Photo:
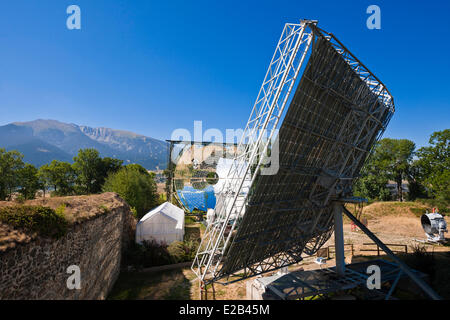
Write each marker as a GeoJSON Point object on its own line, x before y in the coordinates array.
{"type": "Point", "coordinates": [339, 239]}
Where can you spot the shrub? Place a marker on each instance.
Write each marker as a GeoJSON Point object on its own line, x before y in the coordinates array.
{"type": "Point", "coordinates": [191, 247]}
{"type": "Point", "coordinates": [135, 186]}
{"type": "Point", "coordinates": [134, 255]}
{"type": "Point", "coordinates": [42, 220]}
{"type": "Point", "coordinates": [161, 199]}
{"type": "Point", "coordinates": [134, 212]}
{"type": "Point", "coordinates": [183, 251]}
{"type": "Point", "coordinates": [189, 220]}
{"type": "Point", "coordinates": [20, 199]}
{"type": "Point", "coordinates": [61, 209]}
{"type": "Point", "coordinates": [152, 253]}
{"type": "Point", "coordinates": [418, 212]}
{"type": "Point", "coordinates": [147, 254]}
{"type": "Point", "coordinates": [442, 205]}
{"type": "Point", "coordinates": [192, 233]}
{"type": "Point", "coordinates": [177, 251]}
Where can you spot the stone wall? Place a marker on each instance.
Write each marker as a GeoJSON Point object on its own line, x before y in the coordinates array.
{"type": "Point", "coordinates": [37, 269]}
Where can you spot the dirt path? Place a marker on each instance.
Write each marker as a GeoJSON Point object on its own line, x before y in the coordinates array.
{"type": "Point", "coordinates": [392, 223]}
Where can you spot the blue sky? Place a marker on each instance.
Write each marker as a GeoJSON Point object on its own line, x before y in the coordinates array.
{"type": "Point", "coordinates": [154, 66]}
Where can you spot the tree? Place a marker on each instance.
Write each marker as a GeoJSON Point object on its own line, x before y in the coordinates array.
{"type": "Point", "coordinates": [394, 157]}
{"type": "Point", "coordinates": [60, 175]}
{"type": "Point", "coordinates": [372, 183]}
{"type": "Point", "coordinates": [434, 164]}
{"type": "Point", "coordinates": [416, 188]}
{"type": "Point", "coordinates": [45, 178]}
{"type": "Point", "coordinates": [10, 163]}
{"type": "Point", "coordinates": [63, 177]}
{"type": "Point", "coordinates": [92, 170]}
{"type": "Point", "coordinates": [391, 160]}
{"type": "Point", "coordinates": [87, 165]}
{"type": "Point", "coordinates": [29, 181]}
{"type": "Point", "coordinates": [136, 187]}
{"type": "Point", "coordinates": [109, 165]}
{"type": "Point", "coordinates": [138, 167]}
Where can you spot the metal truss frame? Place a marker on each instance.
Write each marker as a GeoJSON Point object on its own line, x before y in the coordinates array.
{"type": "Point", "coordinates": [324, 180]}
{"type": "Point", "coordinates": [266, 113]}
{"type": "Point", "coordinates": [323, 282]}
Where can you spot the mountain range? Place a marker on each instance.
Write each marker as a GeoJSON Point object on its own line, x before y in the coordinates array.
{"type": "Point", "coordinates": [42, 141]}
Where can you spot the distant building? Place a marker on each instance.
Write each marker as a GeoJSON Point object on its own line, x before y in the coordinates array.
{"type": "Point", "coordinates": [392, 186]}
{"type": "Point", "coordinates": [164, 224]}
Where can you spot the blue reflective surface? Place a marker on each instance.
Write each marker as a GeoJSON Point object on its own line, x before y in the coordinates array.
{"type": "Point", "coordinates": [197, 199]}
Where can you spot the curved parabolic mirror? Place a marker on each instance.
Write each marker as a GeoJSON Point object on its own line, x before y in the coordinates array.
{"type": "Point", "coordinates": [195, 175]}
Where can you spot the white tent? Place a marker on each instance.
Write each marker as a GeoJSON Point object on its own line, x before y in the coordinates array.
{"type": "Point", "coordinates": [164, 224]}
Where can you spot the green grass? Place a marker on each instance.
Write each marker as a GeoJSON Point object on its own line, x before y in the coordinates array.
{"type": "Point", "coordinates": [189, 220]}
{"type": "Point", "coordinates": [164, 285]}
{"type": "Point", "coordinates": [192, 233]}
{"type": "Point", "coordinates": [442, 205]}
{"type": "Point", "coordinates": [416, 208]}
{"type": "Point", "coordinates": [418, 212]}
{"type": "Point", "coordinates": [44, 221]}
